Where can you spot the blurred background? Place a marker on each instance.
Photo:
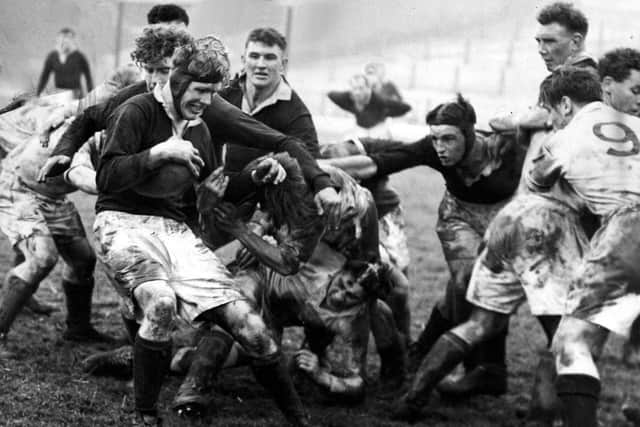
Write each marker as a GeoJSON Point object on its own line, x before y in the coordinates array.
{"type": "Point", "coordinates": [431, 49]}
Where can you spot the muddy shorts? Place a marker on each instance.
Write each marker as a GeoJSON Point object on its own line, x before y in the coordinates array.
{"type": "Point", "coordinates": [393, 239]}
{"type": "Point", "coordinates": [136, 249]}
{"type": "Point", "coordinates": [461, 226]}
{"type": "Point", "coordinates": [607, 288]}
{"type": "Point", "coordinates": [533, 249]}
{"type": "Point", "coordinates": [25, 213]}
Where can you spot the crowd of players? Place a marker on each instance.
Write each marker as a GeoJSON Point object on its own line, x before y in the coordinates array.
{"type": "Point", "coordinates": [538, 208]}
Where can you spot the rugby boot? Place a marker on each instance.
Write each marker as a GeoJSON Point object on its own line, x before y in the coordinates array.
{"type": "Point", "coordinates": [486, 371]}
{"type": "Point", "coordinates": [182, 360]}
{"type": "Point", "coordinates": [150, 366]}
{"type": "Point", "coordinates": [78, 299]}
{"type": "Point", "coordinates": [14, 294]}
{"type": "Point", "coordinates": [194, 394]}
{"type": "Point", "coordinates": [116, 363]}
{"type": "Point", "coordinates": [274, 376]}
{"type": "Point", "coordinates": [435, 327]}
{"type": "Point", "coordinates": [148, 420]}
{"type": "Point", "coordinates": [38, 307]}
{"type": "Point", "coordinates": [446, 353]}
{"type": "Point", "coordinates": [579, 395]}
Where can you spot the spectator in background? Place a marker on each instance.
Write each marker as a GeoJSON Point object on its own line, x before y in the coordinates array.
{"type": "Point", "coordinates": [376, 74]}
{"type": "Point", "coordinates": [67, 64]}
{"type": "Point", "coordinates": [168, 14]}
{"type": "Point", "coordinates": [370, 108]}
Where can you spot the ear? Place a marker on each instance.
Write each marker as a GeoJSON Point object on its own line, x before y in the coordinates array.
{"type": "Point", "coordinates": [606, 84]}
{"type": "Point", "coordinates": [243, 60]}
{"type": "Point", "coordinates": [283, 66]}
{"type": "Point", "coordinates": [577, 42]}
{"type": "Point", "coordinates": [566, 106]}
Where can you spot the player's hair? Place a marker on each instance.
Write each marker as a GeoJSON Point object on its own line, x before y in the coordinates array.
{"type": "Point", "coordinates": [165, 13]}
{"type": "Point", "coordinates": [581, 85]}
{"type": "Point", "coordinates": [205, 60]}
{"type": "Point", "coordinates": [565, 14]}
{"type": "Point", "coordinates": [291, 202]}
{"type": "Point", "coordinates": [618, 63]}
{"type": "Point", "coordinates": [269, 36]}
{"type": "Point", "coordinates": [158, 42]}
{"type": "Point", "coordinates": [67, 32]}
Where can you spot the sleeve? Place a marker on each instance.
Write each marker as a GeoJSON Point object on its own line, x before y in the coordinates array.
{"type": "Point", "coordinates": [546, 170]}
{"type": "Point", "coordinates": [92, 119]}
{"type": "Point", "coordinates": [122, 164]}
{"type": "Point", "coordinates": [44, 76]}
{"type": "Point", "coordinates": [342, 99]}
{"type": "Point", "coordinates": [87, 72]}
{"type": "Point", "coordinates": [303, 129]}
{"type": "Point", "coordinates": [405, 156]}
{"type": "Point", "coordinates": [390, 91]}
{"type": "Point", "coordinates": [229, 122]}
{"type": "Point", "coordinates": [393, 108]}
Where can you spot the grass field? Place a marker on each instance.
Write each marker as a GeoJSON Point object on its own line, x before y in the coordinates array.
{"type": "Point", "coordinates": [44, 386]}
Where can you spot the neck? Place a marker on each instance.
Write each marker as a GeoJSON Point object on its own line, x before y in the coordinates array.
{"type": "Point", "coordinates": [256, 95]}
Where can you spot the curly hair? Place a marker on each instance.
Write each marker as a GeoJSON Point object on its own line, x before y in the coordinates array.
{"type": "Point", "coordinates": [618, 63]}
{"type": "Point", "coordinates": [566, 15]}
{"type": "Point", "coordinates": [206, 59]}
{"type": "Point", "coordinates": [158, 42]}
{"type": "Point", "coordinates": [581, 85]}
{"type": "Point", "coordinates": [163, 13]}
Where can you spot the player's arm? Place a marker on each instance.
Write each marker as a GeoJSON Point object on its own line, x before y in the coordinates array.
{"type": "Point", "coordinates": [545, 172]}
{"type": "Point", "coordinates": [302, 128]}
{"type": "Point", "coordinates": [82, 172]}
{"type": "Point", "coordinates": [351, 386]}
{"type": "Point", "coordinates": [342, 99]}
{"type": "Point", "coordinates": [44, 76]}
{"type": "Point", "coordinates": [124, 164]}
{"type": "Point", "coordinates": [395, 108]}
{"type": "Point", "coordinates": [86, 71]}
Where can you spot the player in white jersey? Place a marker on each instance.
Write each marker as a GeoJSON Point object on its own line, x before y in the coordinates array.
{"type": "Point", "coordinates": [597, 154]}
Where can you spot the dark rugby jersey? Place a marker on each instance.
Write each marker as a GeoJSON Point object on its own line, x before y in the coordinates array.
{"type": "Point", "coordinates": [136, 126]}
{"type": "Point", "coordinates": [65, 75]}
{"type": "Point", "coordinates": [498, 182]}
{"type": "Point", "coordinates": [375, 112]}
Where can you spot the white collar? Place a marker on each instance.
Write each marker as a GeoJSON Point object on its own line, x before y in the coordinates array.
{"type": "Point", "coordinates": [282, 93]}
{"type": "Point", "coordinates": [164, 96]}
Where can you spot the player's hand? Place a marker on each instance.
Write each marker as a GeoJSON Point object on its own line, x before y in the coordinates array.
{"type": "Point", "coordinates": [54, 166]}
{"type": "Point", "coordinates": [181, 151]}
{"type": "Point", "coordinates": [328, 203]}
{"type": "Point", "coordinates": [307, 361]}
{"type": "Point", "coordinates": [226, 217]}
{"type": "Point", "coordinates": [211, 190]}
{"type": "Point", "coordinates": [268, 171]}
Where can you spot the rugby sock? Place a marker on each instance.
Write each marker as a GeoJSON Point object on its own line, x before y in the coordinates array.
{"type": "Point", "coordinates": [446, 353]}
{"type": "Point", "coordinates": [210, 355]}
{"type": "Point", "coordinates": [544, 404]}
{"type": "Point", "coordinates": [273, 374]}
{"type": "Point", "coordinates": [14, 294]}
{"type": "Point", "coordinates": [151, 361]}
{"type": "Point", "coordinates": [579, 395]}
{"type": "Point", "coordinates": [78, 298]}
{"type": "Point", "coordinates": [132, 326]}
{"type": "Point", "coordinates": [435, 327]}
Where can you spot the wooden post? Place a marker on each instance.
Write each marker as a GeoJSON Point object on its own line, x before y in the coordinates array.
{"type": "Point", "coordinates": [287, 32]}
{"type": "Point", "coordinates": [118, 47]}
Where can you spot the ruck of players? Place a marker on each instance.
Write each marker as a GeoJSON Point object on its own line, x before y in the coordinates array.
{"type": "Point", "coordinates": [222, 218]}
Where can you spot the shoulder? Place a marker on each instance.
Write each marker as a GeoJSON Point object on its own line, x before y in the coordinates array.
{"type": "Point", "coordinates": [142, 105]}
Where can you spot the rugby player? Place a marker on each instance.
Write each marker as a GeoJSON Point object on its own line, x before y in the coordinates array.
{"type": "Point", "coordinates": [481, 174]}
{"type": "Point", "coordinates": [307, 275]}
{"type": "Point", "coordinates": [168, 14]}
{"type": "Point", "coordinates": [603, 297]}
{"type": "Point", "coordinates": [153, 258]}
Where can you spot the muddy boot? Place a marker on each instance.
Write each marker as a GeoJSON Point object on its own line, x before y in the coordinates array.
{"type": "Point", "coordinates": [631, 411]}
{"type": "Point", "coordinates": [114, 363]}
{"type": "Point", "coordinates": [445, 355]}
{"type": "Point", "coordinates": [273, 374]}
{"type": "Point", "coordinates": [79, 328]}
{"type": "Point", "coordinates": [150, 365]}
{"type": "Point", "coordinates": [579, 395]}
{"type": "Point", "coordinates": [14, 294]}
{"type": "Point", "coordinates": [193, 396]}
{"type": "Point", "coordinates": [488, 375]}
{"type": "Point", "coordinates": [435, 327]}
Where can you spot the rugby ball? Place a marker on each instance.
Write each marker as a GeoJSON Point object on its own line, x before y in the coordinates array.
{"type": "Point", "coordinates": [169, 180]}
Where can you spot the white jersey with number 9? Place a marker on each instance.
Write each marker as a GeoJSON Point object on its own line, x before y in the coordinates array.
{"type": "Point", "coordinates": [598, 154]}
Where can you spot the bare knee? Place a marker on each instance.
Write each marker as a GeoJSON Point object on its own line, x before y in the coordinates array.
{"type": "Point", "coordinates": [158, 319]}
{"type": "Point", "coordinates": [255, 337]}
{"type": "Point", "coordinates": [482, 325]}
{"type": "Point", "coordinates": [40, 256]}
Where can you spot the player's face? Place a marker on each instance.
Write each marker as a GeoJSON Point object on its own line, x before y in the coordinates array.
{"type": "Point", "coordinates": [196, 98]}
{"type": "Point", "coordinates": [555, 44]}
{"type": "Point", "coordinates": [448, 141]}
{"type": "Point", "coordinates": [156, 73]}
{"type": "Point", "coordinates": [65, 42]}
{"type": "Point", "coordinates": [263, 64]}
{"type": "Point", "coordinates": [360, 91]}
{"type": "Point", "coordinates": [625, 95]}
